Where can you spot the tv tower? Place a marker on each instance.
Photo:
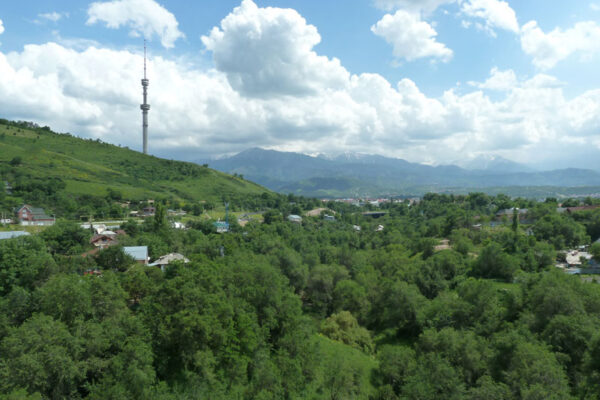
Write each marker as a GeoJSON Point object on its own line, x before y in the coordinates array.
{"type": "Point", "coordinates": [145, 107]}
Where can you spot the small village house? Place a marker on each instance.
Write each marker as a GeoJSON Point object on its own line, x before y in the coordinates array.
{"type": "Point", "coordinates": [222, 226]}
{"type": "Point", "coordinates": [102, 241]}
{"type": "Point", "coordinates": [138, 253]}
{"type": "Point", "coordinates": [294, 218]}
{"type": "Point", "coordinates": [167, 259]}
{"type": "Point", "coordinates": [33, 216]}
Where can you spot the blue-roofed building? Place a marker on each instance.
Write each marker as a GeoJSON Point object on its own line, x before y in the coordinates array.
{"type": "Point", "coordinates": [222, 226]}
{"type": "Point", "coordinates": [139, 253]}
{"type": "Point", "coordinates": [12, 234]}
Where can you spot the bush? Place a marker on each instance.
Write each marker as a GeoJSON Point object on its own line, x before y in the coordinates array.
{"type": "Point", "coordinates": [16, 161]}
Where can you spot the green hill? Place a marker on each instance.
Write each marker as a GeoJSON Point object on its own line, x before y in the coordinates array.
{"type": "Point", "coordinates": [42, 159]}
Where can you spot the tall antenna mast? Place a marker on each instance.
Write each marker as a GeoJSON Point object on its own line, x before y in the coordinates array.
{"type": "Point", "coordinates": [144, 58]}
{"type": "Point", "coordinates": [145, 106]}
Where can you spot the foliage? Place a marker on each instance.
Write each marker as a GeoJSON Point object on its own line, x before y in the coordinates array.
{"type": "Point", "coordinates": [315, 310]}
{"type": "Point", "coordinates": [343, 327]}
{"type": "Point", "coordinates": [77, 178]}
{"type": "Point", "coordinates": [114, 258]}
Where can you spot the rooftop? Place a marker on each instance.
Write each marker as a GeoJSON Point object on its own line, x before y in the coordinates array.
{"type": "Point", "coordinates": [12, 234]}
{"type": "Point", "coordinates": [169, 258]}
{"type": "Point", "coordinates": [139, 253]}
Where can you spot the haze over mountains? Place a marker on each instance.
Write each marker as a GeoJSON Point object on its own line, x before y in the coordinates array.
{"type": "Point", "coordinates": [351, 174]}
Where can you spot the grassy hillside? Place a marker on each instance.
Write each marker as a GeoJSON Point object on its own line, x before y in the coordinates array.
{"type": "Point", "coordinates": [90, 167]}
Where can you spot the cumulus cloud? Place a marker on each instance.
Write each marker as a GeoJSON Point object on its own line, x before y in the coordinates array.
{"type": "Point", "coordinates": [1, 27]}
{"type": "Point", "coordinates": [143, 17]}
{"type": "Point", "coordinates": [411, 37]}
{"type": "Point", "coordinates": [269, 51]}
{"type": "Point", "coordinates": [498, 80]}
{"type": "Point", "coordinates": [497, 14]}
{"type": "Point", "coordinates": [548, 49]}
{"type": "Point", "coordinates": [425, 6]}
{"type": "Point", "coordinates": [197, 114]}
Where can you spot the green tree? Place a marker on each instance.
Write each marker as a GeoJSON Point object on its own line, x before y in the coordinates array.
{"type": "Point", "coordinates": [66, 238]}
{"type": "Point", "coordinates": [433, 379]}
{"type": "Point", "coordinates": [396, 364]}
{"type": "Point", "coordinates": [344, 328]}
{"type": "Point", "coordinates": [25, 262]}
{"type": "Point", "coordinates": [534, 373]}
{"type": "Point", "coordinates": [399, 309]}
{"type": "Point", "coordinates": [595, 251]}
{"type": "Point", "coordinates": [41, 356]}
{"type": "Point", "coordinates": [66, 298]}
{"type": "Point", "coordinates": [351, 296]}
{"type": "Point", "coordinates": [159, 221]}
{"type": "Point", "coordinates": [16, 161]}
{"type": "Point", "coordinates": [114, 257]}
{"type": "Point", "coordinates": [493, 262]}
{"type": "Point", "coordinates": [488, 389]}
{"type": "Point", "coordinates": [515, 220]}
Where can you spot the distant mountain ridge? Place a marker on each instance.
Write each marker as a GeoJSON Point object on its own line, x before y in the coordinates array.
{"type": "Point", "coordinates": [351, 174]}
{"type": "Point", "coordinates": [494, 164]}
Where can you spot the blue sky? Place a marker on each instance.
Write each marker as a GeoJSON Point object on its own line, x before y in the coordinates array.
{"type": "Point", "coordinates": [432, 81]}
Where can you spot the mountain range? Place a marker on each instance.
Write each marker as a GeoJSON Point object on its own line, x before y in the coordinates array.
{"type": "Point", "coordinates": [354, 175]}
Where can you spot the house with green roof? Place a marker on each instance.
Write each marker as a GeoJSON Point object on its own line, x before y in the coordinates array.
{"type": "Point", "coordinates": [33, 216]}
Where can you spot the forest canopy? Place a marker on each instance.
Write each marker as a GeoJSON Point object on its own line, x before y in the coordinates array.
{"type": "Point", "coordinates": [310, 310]}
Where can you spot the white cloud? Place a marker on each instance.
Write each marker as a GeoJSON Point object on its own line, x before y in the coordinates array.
{"type": "Point", "coordinates": [425, 6]}
{"type": "Point", "coordinates": [548, 49]}
{"type": "Point", "coordinates": [497, 14]}
{"type": "Point", "coordinates": [411, 37]}
{"type": "Point", "coordinates": [498, 80]}
{"type": "Point", "coordinates": [52, 16]}
{"type": "Point", "coordinates": [95, 92]}
{"type": "Point", "coordinates": [595, 6]}
{"type": "Point", "coordinates": [268, 51]}
{"type": "Point", "coordinates": [143, 17]}
{"type": "Point", "coordinates": [1, 27]}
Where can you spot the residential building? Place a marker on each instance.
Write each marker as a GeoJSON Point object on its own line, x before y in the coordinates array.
{"type": "Point", "coordinates": [509, 212]}
{"type": "Point", "coordinates": [581, 208]}
{"type": "Point", "coordinates": [165, 260]}
{"type": "Point", "coordinates": [33, 216]}
{"type": "Point", "coordinates": [577, 258]}
{"type": "Point", "coordinates": [222, 226]}
{"type": "Point", "coordinates": [139, 253]}
{"type": "Point", "coordinates": [148, 211]}
{"type": "Point", "coordinates": [177, 225]}
{"type": "Point", "coordinates": [294, 218]}
{"type": "Point", "coordinates": [103, 240]}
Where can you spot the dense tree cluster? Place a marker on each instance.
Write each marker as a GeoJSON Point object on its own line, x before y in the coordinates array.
{"type": "Point", "coordinates": [317, 310]}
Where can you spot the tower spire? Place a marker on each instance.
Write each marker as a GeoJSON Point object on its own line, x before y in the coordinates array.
{"type": "Point", "coordinates": [144, 58]}
{"type": "Point", "coordinates": [145, 106]}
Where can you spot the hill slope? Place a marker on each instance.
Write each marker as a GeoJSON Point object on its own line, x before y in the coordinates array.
{"type": "Point", "coordinates": [92, 167]}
